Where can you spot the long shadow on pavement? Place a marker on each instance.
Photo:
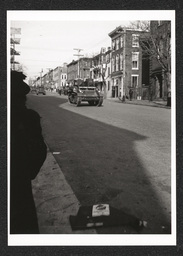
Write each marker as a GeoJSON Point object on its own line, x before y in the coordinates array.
{"type": "Point", "coordinates": [101, 165]}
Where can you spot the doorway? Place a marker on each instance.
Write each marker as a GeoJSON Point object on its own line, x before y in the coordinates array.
{"type": "Point", "coordinates": [159, 87]}
{"type": "Point", "coordinates": [116, 94]}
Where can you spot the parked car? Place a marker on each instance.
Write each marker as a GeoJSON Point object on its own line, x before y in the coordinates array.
{"type": "Point", "coordinates": [41, 90]}
{"type": "Point", "coordinates": [33, 90]}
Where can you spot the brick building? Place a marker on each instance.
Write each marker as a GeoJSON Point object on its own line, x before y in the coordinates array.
{"type": "Point", "coordinates": [79, 69]}
{"type": "Point", "coordinates": [63, 75]}
{"type": "Point", "coordinates": [160, 64]}
{"type": "Point", "coordinates": [56, 77]}
{"type": "Point", "coordinates": [60, 76]}
{"type": "Point", "coordinates": [72, 72]}
{"type": "Point", "coordinates": [44, 80]}
{"type": "Point", "coordinates": [126, 62]}
{"type": "Point", "coordinates": [49, 79]}
{"type": "Point", "coordinates": [84, 68]}
{"type": "Point", "coordinates": [108, 72]}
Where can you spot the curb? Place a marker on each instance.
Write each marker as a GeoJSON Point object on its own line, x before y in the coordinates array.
{"type": "Point", "coordinates": [154, 104]}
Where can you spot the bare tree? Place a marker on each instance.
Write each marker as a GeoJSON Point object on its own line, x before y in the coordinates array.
{"type": "Point", "coordinates": [143, 25]}
{"type": "Point", "coordinates": [157, 45]}
{"type": "Point", "coordinates": [21, 68]}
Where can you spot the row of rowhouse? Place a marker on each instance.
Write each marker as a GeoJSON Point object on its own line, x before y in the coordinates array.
{"type": "Point", "coordinates": [123, 66]}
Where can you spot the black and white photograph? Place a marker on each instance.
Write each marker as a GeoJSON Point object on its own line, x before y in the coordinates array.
{"type": "Point", "coordinates": [91, 127]}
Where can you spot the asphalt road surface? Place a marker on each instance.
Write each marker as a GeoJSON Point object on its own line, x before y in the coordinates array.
{"type": "Point", "coordinates": [118, 154]}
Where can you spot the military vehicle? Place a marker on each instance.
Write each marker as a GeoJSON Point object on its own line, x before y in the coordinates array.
{"type": "Point", "coordinates": [41, 90]}
{"type": "Point", "coordinates": [85, 92]}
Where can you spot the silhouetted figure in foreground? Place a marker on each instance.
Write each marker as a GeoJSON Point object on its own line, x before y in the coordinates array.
{"type": "Point", "coordinates": [28, 152]}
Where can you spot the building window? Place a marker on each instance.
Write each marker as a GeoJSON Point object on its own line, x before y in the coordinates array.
{"type": "Point", "coordinates": [108, 71]}
{"type": "Point", "coordinates": [134, 81]}
{"type": "Point", "coordinates": [121, 61]}
{"type": "Point", "coordinates": [117, 62]}
{"type": "Point", "coordinates": [117, 43]}
{"type": "Point", "coordinates": [135, 40]}
{"type": "Point", "coordinates": [113, 62]}
{"type": "Point", "coordinates": [114, 45]}
{"type": "Point", "coordinates": [108, 85]}
{"type": "Point", "coordinates": [121, 41]}
{"type": "Point", "coordinates": [135, 60]}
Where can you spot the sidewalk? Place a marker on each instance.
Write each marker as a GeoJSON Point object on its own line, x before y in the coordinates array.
{"type": "Point", "coordinates": [54, 199]}
{"type": "Point", "coordinates": [156, 103]}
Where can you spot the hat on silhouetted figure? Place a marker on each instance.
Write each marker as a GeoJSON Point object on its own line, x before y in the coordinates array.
{"type": "Point", "coordinates": [18, 86]}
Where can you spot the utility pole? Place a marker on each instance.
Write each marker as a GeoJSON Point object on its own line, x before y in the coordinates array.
{"type": "Point", "coordinates": [41, 76]}
{"type": "Point", "coordinates": [79, 55]}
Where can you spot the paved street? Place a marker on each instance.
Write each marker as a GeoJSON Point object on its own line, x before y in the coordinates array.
{"type": "Point", "coordinates": [118, 154]}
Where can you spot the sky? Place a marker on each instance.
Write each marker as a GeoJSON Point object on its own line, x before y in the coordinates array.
{"type": "Point", "coordinates": [48, 38]}
{"type": "Point", "coordinates": [48, 44]}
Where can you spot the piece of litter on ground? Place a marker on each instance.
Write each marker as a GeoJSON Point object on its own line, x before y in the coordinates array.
{"type": "Point", "coordinates": [56, 153]}
{"type": "Point", "coordinates": [163, 227]}
{"type": "Point", "coordinates": [143, 223]}
{"type": "Point", "coordinates": [100, 210]}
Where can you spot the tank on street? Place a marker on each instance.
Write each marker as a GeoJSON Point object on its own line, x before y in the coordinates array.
{"type": "Point", "coordinates": [85, 92]}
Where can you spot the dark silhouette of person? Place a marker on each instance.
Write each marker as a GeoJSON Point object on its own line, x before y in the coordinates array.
{"type": "Point", "coordinates": [131, 93]}
{"type": "Point", "coordinates": [27, 154]}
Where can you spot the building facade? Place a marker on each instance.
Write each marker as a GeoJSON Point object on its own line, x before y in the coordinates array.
{"type": "Point", "coordinates": [56, 77]}
{"type": "Point", "coordinates": [60, 77]}
{"type": "Point", "coordinates": [126, 62]}
{"type": "Point", "coordinates": [44, 80]}
{"type": "Point", "coordinates": [84, 68]}
{"type": "Point", "coordinates": [72, 72]}
{"type": "Point", "coordinates": [125, 65]}
{"type": "Point", "coordinates": [79, 69]}
{"type": "Point", "coordinates": [63, 76]}
{"type": "Point", "coordinates": [50, 82]}
{"type": "Point", "coordinates": [160, 64]}
{"type": "Point", "coordinates": [108, 73]}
